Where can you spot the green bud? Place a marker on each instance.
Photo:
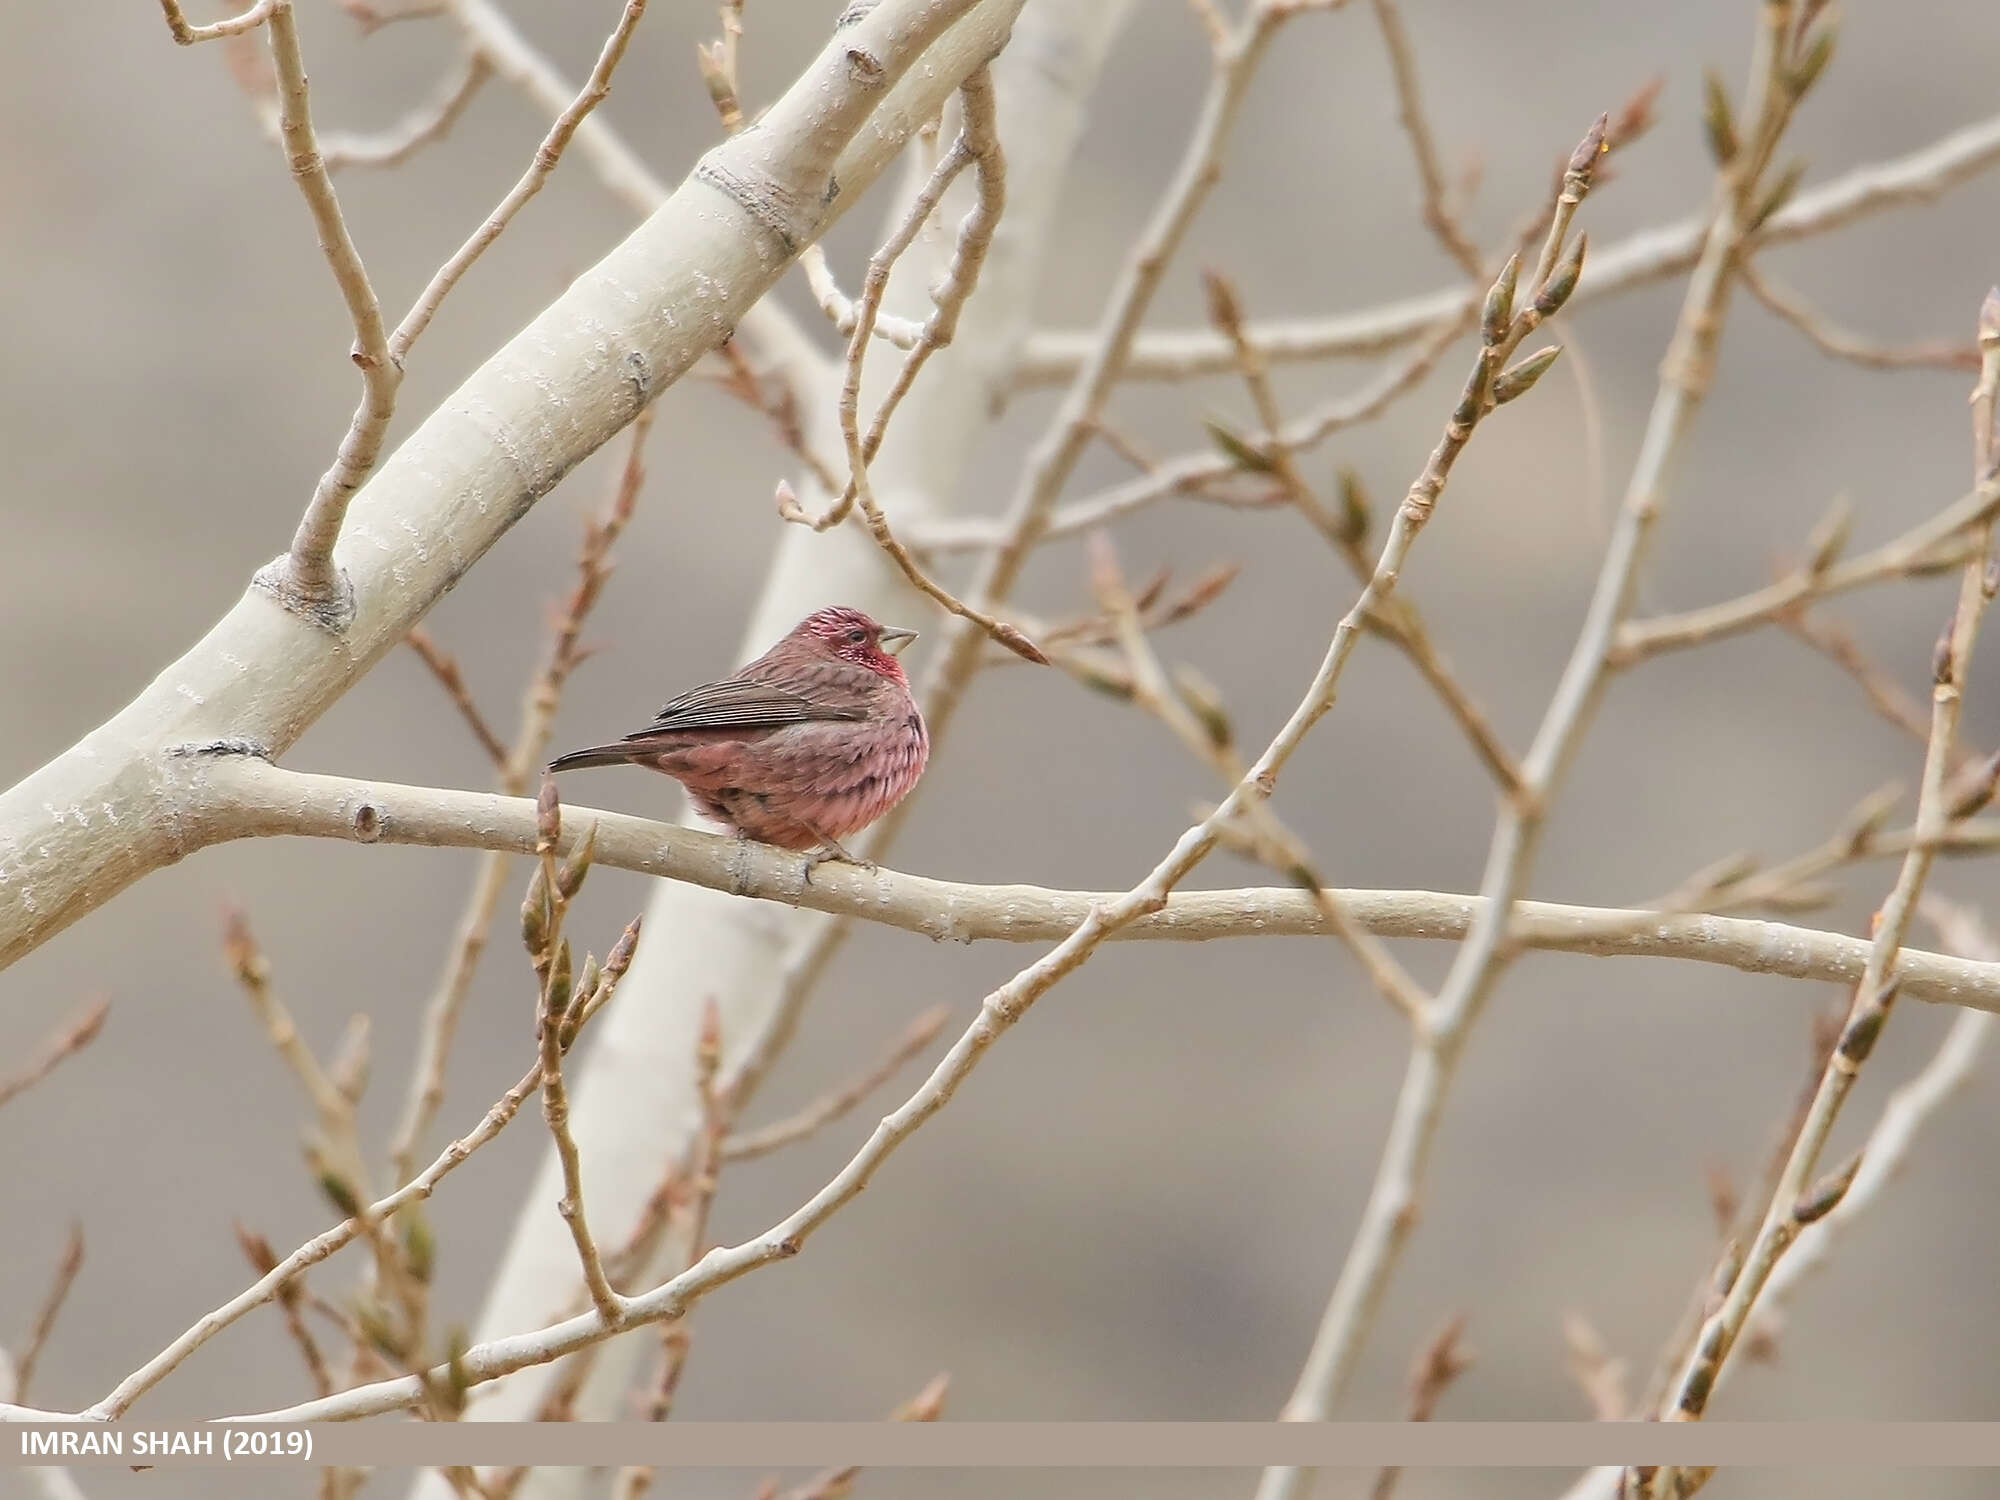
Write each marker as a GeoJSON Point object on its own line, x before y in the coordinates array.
{"type": "Point", "coordinates": [1518, 380]}
{"type": "Point", "coordinates": [538, 915]}
{"type": "Point", "coordinates": [1777, 195]}
{"type": "Point", "coordinates": [569, 879]}
{"type": "Point", "coordinates": [1355, 513]}
{"type": "Point", "coordinates": [1562, 280]}
{"type": "Point", "coordinates": [1498, 312]}
{"type": "Point", "coordinates": [1717, 122]}
{"type": "Point", "coordinates": [419, 1244]}
{"type": "Point", "coordinates": [1237, 450]}
{"type": "Point", "coordinates": [1806, 71]}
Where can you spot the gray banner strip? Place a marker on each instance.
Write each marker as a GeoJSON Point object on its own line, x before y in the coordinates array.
{"type": "Point", "coordinates": [774, 1445]}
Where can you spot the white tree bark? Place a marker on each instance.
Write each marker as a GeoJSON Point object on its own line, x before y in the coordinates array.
{"type": "Point", "coordinates": [124, 801]}
{"type": "Point", "coordinates": [635, 1104]}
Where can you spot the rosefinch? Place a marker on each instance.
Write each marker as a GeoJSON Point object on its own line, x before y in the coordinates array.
{"type": "Point", "coordinates": [811, 742]}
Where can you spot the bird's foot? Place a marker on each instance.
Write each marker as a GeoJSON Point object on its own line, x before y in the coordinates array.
{"type": "Point", "coordinates": [830, 851]}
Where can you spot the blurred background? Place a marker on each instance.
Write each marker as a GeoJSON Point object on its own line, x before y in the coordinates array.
{"type": "Point", "coordinates": [1138, 1205]}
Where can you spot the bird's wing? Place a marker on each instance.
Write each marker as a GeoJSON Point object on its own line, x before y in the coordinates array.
{"type": "Point", "coordinates": [740, 703]}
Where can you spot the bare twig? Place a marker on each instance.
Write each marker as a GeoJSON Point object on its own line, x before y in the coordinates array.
{"type": "Point", "coordinates": [1346, 532]}
{"type": "Point", "coordinates": [1884, 694]}
{"type": "Point", "coordinates": [1198, 719]}
{"type": "Point", "coordinates": [307, 579]}
{"type": "Point", "coordinates": [1934, 543]}
{"type": "Point", "coordinates": [336, 1151]}
{"type": "Point", "coordinates": [551, 955]}
{"type": "Point", "coordinates": [1599, 1374]}
{"type": "Point", "coordinates": [371, 16]}
{"type": "Point", "coordinates": [538, 710]}
{"type": "Point", "coordinates": [831, 1106]}
{"type": "Point", "coordinates": [1637, 260]}
{"type": "Point", "coordinates": [71, 1039]}
{"type": "Point", "coordinates": [49, 1311]}
{"type": "Point", "coordinates": [291, 1298]}
{"type": "Point", "coordinates": [423, 126]}
{"type": "Point", "coordinates": [1840, 344]}
{"type": "Point", "coordinates": [236, 25]}
{"type": "Point", "coordinates": [1190, 473]}
{"type": "Point", "coordinates": [977, 145]}
{"type": "Point", "coordinates": [444, 667]}
{"type": "Point", "coordinates": [835, 1484]}
{"type": "Point", "coordinates": [1439, 1363]}
{"type": "Point", "coordinates": [1438, 217]}
{"type": "Point", "coordinates": [593, 93]}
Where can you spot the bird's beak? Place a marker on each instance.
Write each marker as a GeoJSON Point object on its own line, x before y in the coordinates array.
{"type": "Point", "coordinates": [894, 640]}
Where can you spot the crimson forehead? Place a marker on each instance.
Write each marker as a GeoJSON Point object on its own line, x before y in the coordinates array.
{"type": "Point", "coordinates": [841, 619]}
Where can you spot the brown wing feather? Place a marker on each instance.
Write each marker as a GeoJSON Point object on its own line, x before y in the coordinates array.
{"type": "Point", "coordinates": [740, 703]}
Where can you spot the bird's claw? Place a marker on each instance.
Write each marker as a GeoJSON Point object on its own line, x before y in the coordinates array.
{"type": "Point", "coordinates": [831, 852]}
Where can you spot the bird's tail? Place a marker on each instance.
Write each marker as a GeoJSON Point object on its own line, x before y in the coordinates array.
{"type": "Point", "coordinates": [596, 755]}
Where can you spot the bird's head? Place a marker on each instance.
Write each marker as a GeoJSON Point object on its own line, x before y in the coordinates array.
{"type": "Point", "coordinates": [851, 636]}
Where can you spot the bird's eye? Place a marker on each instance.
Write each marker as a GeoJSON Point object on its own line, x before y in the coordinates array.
{"type": "Point", "coordinates": [857, 637]}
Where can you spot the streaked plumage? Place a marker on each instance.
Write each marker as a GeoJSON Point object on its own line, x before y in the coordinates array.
{"type": "Point", "coordinates": [808, 744]}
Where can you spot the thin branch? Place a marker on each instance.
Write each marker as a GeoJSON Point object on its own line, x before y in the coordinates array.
{"type": "Point", "coordinates": [837, 1103]}
{"type": "Point", "coordinates": [372, 17]}
{"type": "Point", "coordinates": [1439, 1363]}
{"type": "Point", "coordinates": [552, 961]}
{"type": "Point", "coordinates": [835, 1484]}
{"type": "Point", "coordinates": [1198, 720]}
{"type": "Point", "coordinates": [1346, 533]}
{"type": "Point", "coordinates": [531, 740]}
{"type": "Point", "coordinates": [844, 312]}
{"type": "Point", "coordinates": [595, 89]}
{"type": "Point", "coordinates": [979, 141]}
{"type": "Point", "coordinates": [1840, 344]}
{"type": "Point", "coordinates": [308, 580]}
{"type": "Point", "coordinates": [977, 145]}
{"type": "Point", "coordinates": [1438, 218]}
{"type": "Point", "coordinates": [291, 1299]}
{"type": "Point", "coordinates": [49, 1311]}
{"type": "Point", "coordinates": [1190, 473]}
{"type": "Point", "coordinates": [444, 667]}
{"type": "Point", "coordinates": [1638, 260]}
{"type": "Point", "coordinates": [423, 126]}
{"type": "Point", "coordinates": [335, 1152]}
{"type": "Point", "coordinates": [71, 1039]}
{"type": "Point", "coordinates": [1884, 693]}
{"type": "Point", "coordinates": [1599, 1374]}
{"type": "Point", "coordinates": [187, 35]}
{"type": "Point", "coordinates": [1938, 541]}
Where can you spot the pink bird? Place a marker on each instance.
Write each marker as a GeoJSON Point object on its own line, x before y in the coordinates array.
{"type": "Point", "coordinates": [809, 743]}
